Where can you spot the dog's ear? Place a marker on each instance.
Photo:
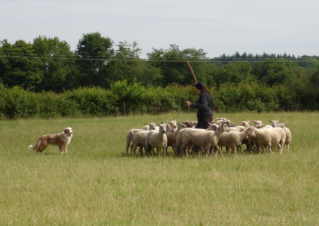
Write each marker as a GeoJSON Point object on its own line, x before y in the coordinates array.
{"type": "Point", "coordinates": [67, 131]}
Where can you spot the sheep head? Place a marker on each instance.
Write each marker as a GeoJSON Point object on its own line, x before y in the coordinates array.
{"type": "Point", "coordinates": [251, 131]}
{"type": "Point", "coordinates": [152, 125]}
{"type": "Point", "coordinates": [162, 128]}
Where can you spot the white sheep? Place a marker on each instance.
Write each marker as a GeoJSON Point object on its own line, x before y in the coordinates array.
{"type": "Point", "coordinates": [276, 123]}
{"type": "Point", "coordinates": [172, 125]}
{"type": "Point", "coordinates": [189, 124]}
{"type": "Point", "coordinates": [138, 141]}
{"type": "Point", "coordinates": [150, 126]}
{"type": "Point", "coordinates": [156, 139]}
{"type": "Point", "coordinates": [278, 138]}
{"type": "Point", "coordinates": [244, 123]}
{"type": "Point", "coordinates": [129, 139]}
{"type": "Point", "coordinates": [288, 137]}
{"type": "Point", "coordinates": [205, 140]}
{"type": "Point", "coordinates": [249, 145]}
{"type": "Point", "coordinates": [171, 132]}
{"type": "Point", "coordinates": [131, 132]}
{"type": "Point", "coordinates": [221, 120]}
{"type": "Point", "coordinates": [268, 138]}
{"type": "Point", "coordinates": [259, 124]}
{"type": "Point", "coordinates": [234, 128]}
{"type": "Point", "coordinates": [232, 139]}
{"type": "Point", "coordinates": [259, 137]}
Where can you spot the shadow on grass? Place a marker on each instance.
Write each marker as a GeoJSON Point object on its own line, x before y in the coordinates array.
{"type": "Point", "coordinates": [172, 155]}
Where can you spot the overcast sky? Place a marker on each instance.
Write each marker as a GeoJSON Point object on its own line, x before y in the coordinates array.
{"type": "Point", "coordinates": [217, 27]}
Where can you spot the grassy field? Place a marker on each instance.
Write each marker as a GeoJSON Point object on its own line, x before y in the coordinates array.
{"type": "Point", "coordinates": [94, 184]}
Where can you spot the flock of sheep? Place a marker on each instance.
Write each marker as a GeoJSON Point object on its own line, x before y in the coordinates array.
{"type": "Point", "coordinates": [222, 135]}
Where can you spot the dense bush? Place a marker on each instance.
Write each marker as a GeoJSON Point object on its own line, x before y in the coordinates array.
{"type": "Point", "coordinates": [16, 102]}
{"type": "Point", "coordinates": [91, 101]}
{"type": "Point", "coordinates": [121, 98]}
{"type": "Point", "coordinates": [246, 97]}
{"type": "Point", "coordinates": [125, 98]}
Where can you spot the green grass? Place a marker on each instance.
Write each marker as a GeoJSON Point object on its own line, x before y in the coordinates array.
{"type": "Point", "coordinates": [94, 184]}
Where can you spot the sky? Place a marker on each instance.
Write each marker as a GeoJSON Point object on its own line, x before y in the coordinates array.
{"type": "Point", "coordinates": [217, 27]}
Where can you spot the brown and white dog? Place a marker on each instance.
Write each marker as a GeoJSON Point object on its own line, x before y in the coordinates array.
{"type": "Point", "coordinates": [62, 140]}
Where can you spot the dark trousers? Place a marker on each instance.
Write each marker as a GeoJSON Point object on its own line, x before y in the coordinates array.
{"type": "Point", "coordinates": [203, 121]}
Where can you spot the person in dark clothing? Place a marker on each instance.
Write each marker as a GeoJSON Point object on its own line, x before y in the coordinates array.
{"type": "Point", "coordinates": [204, 106]}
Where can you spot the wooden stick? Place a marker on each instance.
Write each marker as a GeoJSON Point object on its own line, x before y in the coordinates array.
{"type": "Point", "coordinates": [191, 69]}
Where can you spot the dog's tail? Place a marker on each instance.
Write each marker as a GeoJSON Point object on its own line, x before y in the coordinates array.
{"type": "Point", "coordinates": [30, 147]}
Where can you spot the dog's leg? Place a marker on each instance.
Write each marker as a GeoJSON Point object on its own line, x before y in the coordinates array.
{"type": "Point", "coordinates": [62, 148]}
{"type": "Point", "coordinates": [42, 146]}
{"type": "Point", "coordinates": [37, 146]}
{"type": "Point", "coordinates": [66, 148]}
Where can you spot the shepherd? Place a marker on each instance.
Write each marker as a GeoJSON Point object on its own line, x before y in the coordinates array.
{"type": "Point", "coordinates": [204, 103]}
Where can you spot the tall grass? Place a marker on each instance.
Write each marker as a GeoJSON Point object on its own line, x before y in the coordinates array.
{"type": "Point", "coordinates": [94, 184]}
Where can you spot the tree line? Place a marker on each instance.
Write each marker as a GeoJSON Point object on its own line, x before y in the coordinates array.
{"type": "Point", "coordinates": [49, 65]}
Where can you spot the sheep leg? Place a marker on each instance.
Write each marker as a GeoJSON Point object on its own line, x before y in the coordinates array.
{"type": "Point", "coordinates": [281, 148]}
{"type": "Point", "coordinates": [133, 149]}
{"type": "Point", "coordinates": [233, 149]}
{"type": "Point", "coordinates": [183, 149]}
{"type": "Point", "coordinates": [269, 148]}
{"type": "Point", "coordinates": [214, 149]}
{"type": "Point", "coordinates": [148, 149]}
{"type": "Point", "coordinates": [178, 149]}
{"type": "Point", "coordinates": [210, 150]}
{"type": "Point", "coordinates": [218, 150]}
{"type": "Point", "coordinates": [165, 150]}
{"type": "Point", "coordinates": [187, 150]}
{"type": "Point", "coordinates": [174, 149]}
{"type": "Point", "coordinates": [141, 150]}
{"type": "Point", "coordinates": [201, 151]}
{"type": "Point", "coordinates": [259, 148]}
{"type": "Point", "coordinates": [128, 144]}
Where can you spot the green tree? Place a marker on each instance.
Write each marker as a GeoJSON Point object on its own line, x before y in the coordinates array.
{"type": "Point", "coordinates": [19, 65]}
{"type": "Point", "coordinates": [274, 72]}
{"type": "Point", "coordinates": [314, 79]}
{"type": "Point", "coordinates": [234, 72]}
{"type": "Point", "coordinates": [93, 53]}
{"type": "Point", "coordinates": [127, 65]}
{"type": "Point", "coordinates": [57, 63]}
{"type": "Point", "coordinates": [172, 63]}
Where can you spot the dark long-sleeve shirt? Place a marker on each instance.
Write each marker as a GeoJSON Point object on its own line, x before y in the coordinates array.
{"type": "Point", "coordinates": [204, 104]}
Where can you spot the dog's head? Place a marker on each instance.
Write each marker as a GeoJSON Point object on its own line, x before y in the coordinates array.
{"type": "Point", "coordinates": [68, 131]}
